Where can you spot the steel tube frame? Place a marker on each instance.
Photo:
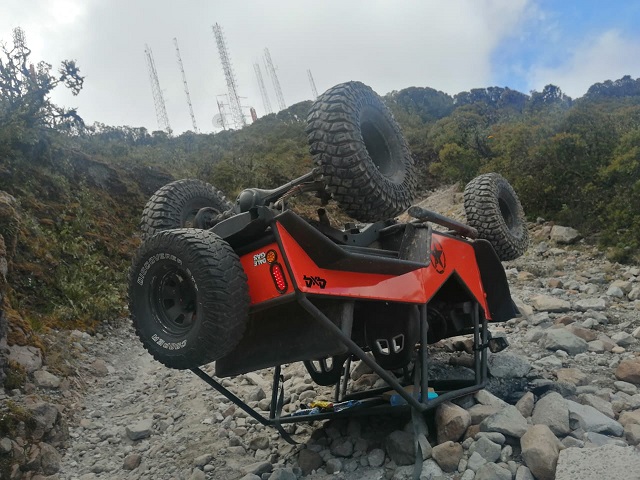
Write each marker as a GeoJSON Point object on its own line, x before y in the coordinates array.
{"type": "Point", "coordinates": [480, 335]}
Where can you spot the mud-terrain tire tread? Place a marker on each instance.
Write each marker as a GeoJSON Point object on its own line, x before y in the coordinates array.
{"type": "Point", "coordinates": [336, 142]}
{"type": "Point", "coordinates": [222, 298]}
{"type": "Point", "coordinates": [166, 209]}
{"type": "Point", "coordinates": [482, 197]}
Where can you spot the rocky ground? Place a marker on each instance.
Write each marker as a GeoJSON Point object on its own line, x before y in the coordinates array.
{"type": "Point", "coordinates": [570, 378]}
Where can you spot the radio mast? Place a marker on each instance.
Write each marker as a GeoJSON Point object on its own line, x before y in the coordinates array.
{"type": "Point", "coordinates": [263, 90]}
{"type": "Point", "coordinates": [274, 78]}
{"type": "Point", "coordinates": [225, 59]}
{"type": "Point", "coordinates": [186, 87]}
{"type": "Point", "coordinates": [313, 84]}
{"type": "Point", "coordinates": [158, 99]}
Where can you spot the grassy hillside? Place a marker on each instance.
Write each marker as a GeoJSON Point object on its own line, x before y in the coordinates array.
{"type": "Point", "coordinates": [80, 191]}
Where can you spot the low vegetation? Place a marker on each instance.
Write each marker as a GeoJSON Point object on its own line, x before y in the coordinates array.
{"type": "Point", "coordinates": [80, 190]}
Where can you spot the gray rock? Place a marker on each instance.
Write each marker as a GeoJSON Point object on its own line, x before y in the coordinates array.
{"type": "Point", "coordinates": [540, 449]}
{"type": "Point", "coordinates": [596, 304]}
{"type": "Point", "coordinates": [100, 368]}
{"type": "Point", "coordinates": [49, 459]}
{"type": "Point", "coordinates": [506, 453]}
{"type": "Point", "coordinates": [425, 446]}
{"type": "Point", "coordinates": [45, 416]}
{"type": "Point", "coordinates": [623, 339]}
{"type": "Point", "coordinates": [591, 420]}
{"type": "Point", "coordinates": [287, 473]}
{"type": "Point", "coordinates": [608, 462]}
{"type": "Point", "coordinates": [197, 475]}
{"type": "Point", "coordinates": [598, 403]}
{"type": "Point", "coordinates": [614, 291]}
{"type": "Point", "coordinates": [5, 445]}
{"type": "Point", "coordinates": [626, 387]}
{"type": "Point", "coordinates": [400, 447]}
{"type": "Point", "coordinates": [343, 447]}
{"type": "Point", "coordinates": [430, 470]}
{"type": "Point", "coordinates": [140, 430]}
{"type": "Point", "coordinates": [508, 365]}
{"type": "Point", "coordinates": [468, 475]}
{"type": "Point", "coordinates": [632, 433]}
{"type": "Point", "coordinates": [132, 461]}
{"type": "Point", "coordinates": [634, 294]}
{"type": "Point", "coordinates": [479, 412]}
{"type": "Point", "coordinates": [523, 473]}
{"type": "Point", "coordinates": [550, 362]}
{"type": "Point", "coordinates": [599, 440]}
{"type": "Point", "coordinates": [495, 437]}
{"type": "Point", "coordinates": [258, 468]}
{"type": "Point", "coordinates": [487, 398]}
{"type": "Point", "coordinates": [44, 379]}
{"type": "Point", "coordinates": [447, 455]}
{"type": "Point", "coordinates": [525, 404]}
{"type": "Point", "coordinates": [508, 421]}
{"type": "Point", "coordinates": [376, 457]}
{"type": "Point", "coordinates": [564, 235]}
{"type": "Point", "coordinates": [475, 461]}
{"type": "Point", "coordinates": [572, 442]}
{"type": "Point", "coordinates": [259, 443]}
{"type": "Point", "coordinates": [491, 471]}
{"type": "Point", "coordinates": [552, 411]}
{"type": "Point", "coordinates": [333, 465]}
{"type": "Point", "coordinates": [547, 303]}
{"type": "Point", "coordinates": [308, 460]}
{"type": "Point", "coordinates": [574, 376]}
{"type": "Point", "coordinates": [202, 460]}
{"type": "Point", "coordinates": [489, 450]}
{"type": "Point", "coordinates": [561, 339]}
{"type": "Point", "coordinates": [28, 357]}
{"type": "Point", "coordinates": [256, 395]}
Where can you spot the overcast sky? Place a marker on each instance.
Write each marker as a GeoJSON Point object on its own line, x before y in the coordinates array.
{"type": "Point", "coordinates": [449, 45]}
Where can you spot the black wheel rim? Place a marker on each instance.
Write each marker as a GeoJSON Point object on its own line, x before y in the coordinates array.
{"type": "Point", "coordinates": [174, 301]}
{"type": "Point", "coordinates": [384, 154]}
{"type": "Point", "coordinates": [190, 212]}
{"type": "Point", "coordinates": [507, 214]}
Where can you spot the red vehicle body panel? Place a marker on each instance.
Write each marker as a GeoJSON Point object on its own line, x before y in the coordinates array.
{"type": "Point", "coordinates": [449, 255]}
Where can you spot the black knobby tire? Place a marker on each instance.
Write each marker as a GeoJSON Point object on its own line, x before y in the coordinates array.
{"type": "Point", "coordinates": [493, 208]}
{"type": "Point", "coordinates": [176, 204]}
{"type": "Point", "coordinates": [188, 297]}
{"type": "Point", "coordinates": [360, 151]}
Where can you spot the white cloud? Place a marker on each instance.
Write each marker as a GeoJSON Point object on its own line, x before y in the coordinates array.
{"type": "Point", "coordinates": [608, 56]}
{"type": "Point", "coordinates": [388, 45]}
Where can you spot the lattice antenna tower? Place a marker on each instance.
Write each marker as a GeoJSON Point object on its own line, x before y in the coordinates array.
{"type": "Point", "coordinates": [313, 84]}
{"type": "Point", "coordinates": [186, 87]}
{"type": "Point", "coordinates": [19, 39]}
{"type": "Point", "coordinates": [263, 89]}
{"type": "Point", "coordinates": [234, 98]}
{"type": "Point", "coordinates": [158, 99]}
{"type": "Point", "coordinates": [274, 79]}
{"type": "Point", "coordinates": [222, 109]}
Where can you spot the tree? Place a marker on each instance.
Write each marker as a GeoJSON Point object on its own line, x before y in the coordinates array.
{"type": "Point", "coordinates": [25, 107]}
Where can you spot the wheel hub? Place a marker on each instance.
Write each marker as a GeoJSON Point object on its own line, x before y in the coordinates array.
{"type": "Point", "coordinates": [175, 302]}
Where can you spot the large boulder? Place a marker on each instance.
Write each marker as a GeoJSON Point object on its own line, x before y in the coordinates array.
{"type": "Point", "coordinates": [602, 463]}
{"type": "Point", "coordinates": [552, 411]}
{"type": "Point", "coordinates": [540, 450]}
{"type": "Point", "coordinates": [451, 421]}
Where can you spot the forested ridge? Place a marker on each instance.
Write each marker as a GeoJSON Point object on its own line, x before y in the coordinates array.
{"type": "Point", "coordinates": [80, 189]}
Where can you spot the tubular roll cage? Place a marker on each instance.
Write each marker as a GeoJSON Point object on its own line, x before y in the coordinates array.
{"type": "Point", "coordinates": [252, 200]}
{"type": "Point", "coordinates": [370, 401]}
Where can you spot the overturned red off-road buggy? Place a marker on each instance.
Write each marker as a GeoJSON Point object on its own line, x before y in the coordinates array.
{"type": "Point", "coordinates": [254, 285]}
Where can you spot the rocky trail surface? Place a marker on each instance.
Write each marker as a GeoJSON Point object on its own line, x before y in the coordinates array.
{"type": "Point", "coordinates": [565, 399]}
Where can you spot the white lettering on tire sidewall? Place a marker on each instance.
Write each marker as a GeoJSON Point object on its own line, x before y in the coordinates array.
{"type": "Point", "coordinates": [152, 260]}
{"type": "Point", "coordinates": [168, 345]}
